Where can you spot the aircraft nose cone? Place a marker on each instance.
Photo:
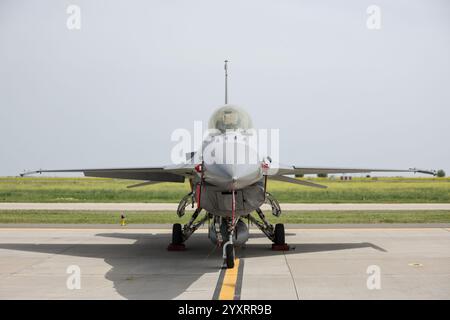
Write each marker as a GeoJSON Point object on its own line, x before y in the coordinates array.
{"type": "Point", "coordinates": [230, 162]}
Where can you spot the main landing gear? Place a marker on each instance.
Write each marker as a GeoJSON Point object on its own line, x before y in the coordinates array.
{"type": "Point", "coordinates": [226, 229]}
{"type": "Point", "coordinates": [177, 234]}
{"type": "Point", "coordinates": [275, 234]}
{"type": "Point", "coordinates": [181, 234]}
{"type": "Point", "coordinates": [278, 234]}
{"type": "Point", "coordinates": [177, 243]}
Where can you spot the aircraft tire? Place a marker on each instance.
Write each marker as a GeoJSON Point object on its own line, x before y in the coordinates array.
{"type": "Point", "coordinates": [279, 234]}
{"type": "Point", "coordinates": [177, 234]}
{"type": "Point", "coordinates": [229, 251]}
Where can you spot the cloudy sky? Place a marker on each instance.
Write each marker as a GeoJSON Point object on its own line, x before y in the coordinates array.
{"type": "Point", "coordinates": [111, 93]}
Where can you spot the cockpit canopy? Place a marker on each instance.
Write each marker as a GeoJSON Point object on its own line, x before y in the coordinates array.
{"type": "Point", "coordinates": [230, 117]}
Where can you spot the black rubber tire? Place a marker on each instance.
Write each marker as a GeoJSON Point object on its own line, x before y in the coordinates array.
{"type": "Point", "coordinates": [229, 251]}
{"type": "Point", "coordinates": [177, 234]}
{"type": "Point", "coordinates": [279, 234]}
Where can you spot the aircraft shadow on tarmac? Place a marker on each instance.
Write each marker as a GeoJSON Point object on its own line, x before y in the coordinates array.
{"type": "Point", "coordinates": [145, 269]}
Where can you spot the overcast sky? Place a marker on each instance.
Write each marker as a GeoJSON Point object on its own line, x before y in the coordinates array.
{"type": "Point", "coordinates": [111, 93]}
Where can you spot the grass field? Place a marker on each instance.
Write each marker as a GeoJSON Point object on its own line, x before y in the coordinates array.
{"type": "Point", "coordinates": [358, 190]}
{"type": "Point", "coordinates": [166, 217]}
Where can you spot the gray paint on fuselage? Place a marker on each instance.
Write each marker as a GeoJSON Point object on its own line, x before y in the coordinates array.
{"type": "Point", "coordinates": [218, 200]}
{"type": "Point", "coordinates": [242, 173]}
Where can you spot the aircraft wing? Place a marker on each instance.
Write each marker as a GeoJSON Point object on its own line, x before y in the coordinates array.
{"type": "Point", "coordinates": [286, 170]}
{"type": "Point", "coordinates": [176, 173]}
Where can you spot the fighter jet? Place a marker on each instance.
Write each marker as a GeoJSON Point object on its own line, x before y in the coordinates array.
{"type": "Point", "coordinates": [226, 193]}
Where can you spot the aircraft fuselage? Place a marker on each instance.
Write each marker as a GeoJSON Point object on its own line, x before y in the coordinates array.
{"type": "Point", "coordinates": [230, 164]}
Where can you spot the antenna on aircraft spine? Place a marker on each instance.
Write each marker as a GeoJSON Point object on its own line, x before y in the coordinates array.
{"type": "Point", "coordinates": [226, 81]}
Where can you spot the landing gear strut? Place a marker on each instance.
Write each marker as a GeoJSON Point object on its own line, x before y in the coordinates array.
{"type": "Point", "coordinates": [228, 247]}
{"type": "Point", "coordinates": [276, 235]}
{"type": "Point", "coordinates": [190, 227]}
{"type": "Point", "coordinates": [264, 226]}
{"type": "Point", "coordinates": [181, 234]}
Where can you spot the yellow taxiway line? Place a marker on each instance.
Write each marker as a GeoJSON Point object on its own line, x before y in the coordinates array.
{"type": "Point", "coordinates": [228, 289]}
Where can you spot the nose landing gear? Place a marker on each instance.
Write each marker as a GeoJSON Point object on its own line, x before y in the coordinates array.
{"type": "Point", "coordinates": [229, 254]}
{"type": "Point", "coordinates": [228, 247]}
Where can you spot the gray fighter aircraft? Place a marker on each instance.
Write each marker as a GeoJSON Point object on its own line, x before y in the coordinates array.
{"type": "Point", "coordinates": [229, 192]}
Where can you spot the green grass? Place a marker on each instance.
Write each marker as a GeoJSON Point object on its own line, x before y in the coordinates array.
{"type": "Point", "coordinates": [362, 190]}
{"type": "Point", "coordinates": [166, 217]}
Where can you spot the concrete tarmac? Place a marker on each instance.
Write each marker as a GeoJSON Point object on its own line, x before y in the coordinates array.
{"type": "Point", "coordinates": [122, 263]}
